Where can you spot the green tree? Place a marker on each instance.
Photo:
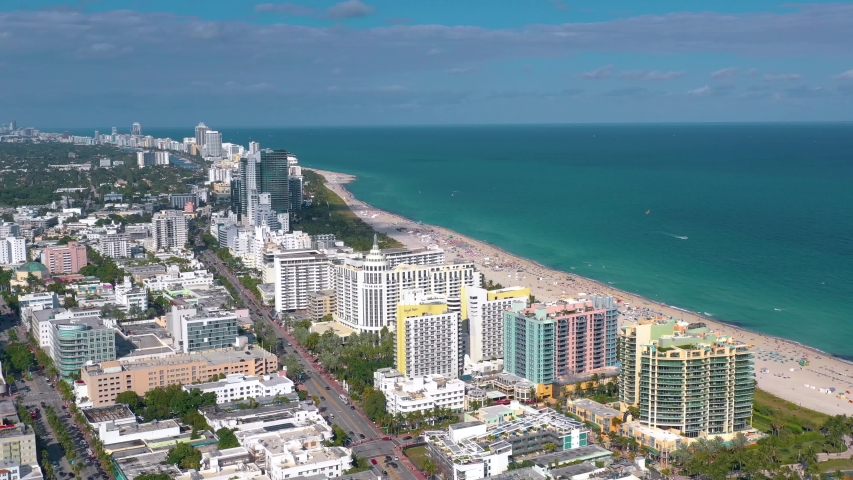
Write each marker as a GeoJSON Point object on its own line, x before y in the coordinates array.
{"type": "Point", "coordinates": [294, 368]}
{"type": "Point", "coordinates": [302, 394]}
{"type": "Point", "coordinates": [227, 439]}
{"type": "Point", "coordinates": [374, 405]}
{"type": "Point", "coordinates": [185, 456]}
{"type": "Point", "coordinates": [153, 476]}
{"type": "Point", "coordinates": [19, 357]}
{"type": "Point", "coordinates": [129, 398]}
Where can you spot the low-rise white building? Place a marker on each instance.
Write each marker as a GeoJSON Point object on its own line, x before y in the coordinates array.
{"type": "Point", "coordinates": [238, 386]}
{"type": "Point", "coordinates": [129, 296]}
{"type": "Point", "coordinates": [297, 414]}
{"type": "Point", "coordinates": [111, 433]}
{"type": "Point", "coordinates": [405, 395]}
{"type": "Point", "coordinates": [175, 276]}
{"type": "Point", "coordinates": [296, 452]}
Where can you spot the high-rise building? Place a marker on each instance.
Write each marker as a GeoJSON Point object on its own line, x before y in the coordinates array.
{"type": "Point", "coordinates": [114, 245]}
{"type": "Point", "coordinates": [274, 179]}
{"type": "Point", "coordinates": [299, 273]}
{"type": "Point", "coordinates": [568, 338]}
{"type": "Point", "coordinates": [295, 187]}
{"type": "Point", "coordinates": [65, 259]}
{"type": "Point", "coordinates": [136, 129]}
{"type": "Point", "coordinates": [212, 144]}
{"type": "Point", "coordinates": [200, 132]}
{"type": "Point", "coordinates": [369, 288]}
{"type": "Point", "coordinates": [97, 137]}
{"type": "Point", "coordinates": [683, 377]}
{"type": "Point", "coordinates": [427, 336]}
{"type": "Point", "coordinates": [254, 147]}
{"type": "Point", "coordinates": [13, 250]}
{"type": "Point", "coordinates": [115, 131]}
{"type": "Point", "coordinates": [169, 229]}
{"type": "Point", "coordinates": [146, 158]}
{"type": "Point", "coordinates": [484, 311]}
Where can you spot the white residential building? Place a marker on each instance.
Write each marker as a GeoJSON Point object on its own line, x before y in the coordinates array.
{"type": "Point", "coordinates": [129, 296]}
{"type": "Point", "coordinates": [298, 273]}
{"type": "Point", "coordinates": [212, 144]}
{"type": "Point", "coordinates": [369, 289]}
{"type": "Point", "coordinates": [13, 250]}
{"type": "Point", "coordinates": [296, 452]}
{"type": "Point", "coordinates": [174, 276]}
{"type": "Point", "coordinates": [195, 331]}
{"type": "Point", "coordinates": [110, 434]}
{"type": "Point", "coordinates": [484, 311]}
{"type": "Point", "coordinates": [421, 393]}
{"type": "Point", "coordinates": [33, 302]}
{"type": "Point", "coordinates": [427, 336]}
{"type": "Point", "coordinates": [169, 229]}
{"type": "Point", "coordinates": [238, 386]}
{"type": "Point", "coordinates": [297, 414]}
{"type": "Point", "coordinates": [114, 245]}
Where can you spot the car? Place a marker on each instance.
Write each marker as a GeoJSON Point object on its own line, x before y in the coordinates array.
{"type": "Point", "coordinates": [361, 435]}
{"type": "Point", "coordinates": [352, 407]}
{"type": "Point", "coordinates": [328, 388]}
{"type": "Point", "coordinates": [387, 439]}
{"type": "Point", "coordinates": [384, 472]}
{"type": "Point", "coordinates": [373, 461]}
{"type": "Point", "coordinates": [407, 437]}
{"type": "Point", "coordinates": [387, 458]}
{"type": "Point", "coordinates": [395, 458]}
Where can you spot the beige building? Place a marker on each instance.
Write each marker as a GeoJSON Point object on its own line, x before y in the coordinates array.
{"type": "Point", "coordinates": [103, 382]}
{"type": "Point", "coordinates": [321, 303]}
{"type": "Point", "coordinates": [18, 444]}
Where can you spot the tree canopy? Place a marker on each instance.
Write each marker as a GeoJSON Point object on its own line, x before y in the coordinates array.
{"type": "Point", "coordinates": [227, 439]}
{"type": "Point", "coordinates": [185, 456]}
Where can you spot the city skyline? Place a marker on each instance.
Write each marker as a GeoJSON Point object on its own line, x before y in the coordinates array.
{"type": "Point", "coordinates": [377, 62]}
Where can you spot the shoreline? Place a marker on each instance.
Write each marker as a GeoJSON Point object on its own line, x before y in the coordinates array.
{"type": "Point", "coordinates": [777, 370]}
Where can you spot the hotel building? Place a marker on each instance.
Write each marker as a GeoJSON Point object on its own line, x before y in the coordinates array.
{"type": "Point", "coordinates": [238, 386]}
{"type": "Point", "coordinates": [685, 379]}
{"type": "Point", "coordinates": [65, 259]}
{"type": "Point", "coordinates": [298, 274]}
{"type": "Point", "coordinates": [544, 342]}
{"type": "Point", "coordinates": [418, 394]}
{"type": "Point", "coordinates": [102, 382]}
{"type": "Point", "coordinates": [427, 336]}
{"type": "Point", "coordinates": [369, 288]}
{"type": "Point", "coordinates": [484, 311]}
{"type": "Point", "coordinates": [169, 229]}
{"type": "Point", "coordinates": [74, 342]}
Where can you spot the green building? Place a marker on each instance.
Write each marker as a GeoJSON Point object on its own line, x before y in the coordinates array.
{"type": "Point", "coordinates": [685, 379]}
{"type": "Point", "coordinates": [77, 341]}
{"type": "Point", "coordinates": [529, 345]}
{"type": "Point", "coordinates": [274, 179]}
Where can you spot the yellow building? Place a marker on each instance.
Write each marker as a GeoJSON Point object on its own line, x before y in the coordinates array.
{"type": "Point", "coordinates": [607, 419]}
{"type": "Point", "coordinates": [427, 336]}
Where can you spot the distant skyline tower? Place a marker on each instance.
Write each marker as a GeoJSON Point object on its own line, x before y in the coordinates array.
{"type": "Point", "coordinates": [13, 125]}
{"type": "Point", "coordinates": [97, 137]}
{"type": "Point", "coordinates": [274, 178]}
{"type": "Point", "coordinates": [254, 147]}
{"type": "Point", "coordinates": [136, 129]}
{"type": "Point", "coordinates": [115, 131]}
{"type": "Point", "coordinates": [212, 144]}
{"type": "Point", "coordinates": [200, 130]}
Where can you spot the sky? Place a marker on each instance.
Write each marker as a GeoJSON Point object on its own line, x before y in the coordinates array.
{"type": "Point", "coordinates": [404, 62]}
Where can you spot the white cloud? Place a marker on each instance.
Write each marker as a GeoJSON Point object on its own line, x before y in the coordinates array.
{"type": "Point", "coordinates": [848, 75]}
{"type": "Point", "coordinates": [725, 73]}
{"type": "Point", "coordinates": [598, 74]}
{"type": "Point", "coordinates": [349, 9]}
{"type": "Point", "coordinates": [700, 92]}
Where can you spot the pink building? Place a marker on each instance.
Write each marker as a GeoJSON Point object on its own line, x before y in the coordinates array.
{"type": "Point", "coordinates": [66, 258]}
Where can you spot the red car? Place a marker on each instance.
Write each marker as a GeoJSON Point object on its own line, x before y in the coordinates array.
{"type": "Point", "coordinates": [386, 438]}
{"type": "Point", "coordinates": [373, 461]}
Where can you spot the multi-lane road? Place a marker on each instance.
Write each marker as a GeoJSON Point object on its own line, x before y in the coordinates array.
{"type": "Point", "coordinates": [367, 440]}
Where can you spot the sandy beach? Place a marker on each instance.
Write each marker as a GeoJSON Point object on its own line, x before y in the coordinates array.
{"type": "Point", "coordinates": [777, 361]}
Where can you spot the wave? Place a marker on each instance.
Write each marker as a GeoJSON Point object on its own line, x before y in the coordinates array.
{"type": "Point", "coordinates": [680, 237]}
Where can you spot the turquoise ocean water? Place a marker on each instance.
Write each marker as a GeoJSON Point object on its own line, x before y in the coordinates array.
{"type": "Point", "coordinates": [750, 223]}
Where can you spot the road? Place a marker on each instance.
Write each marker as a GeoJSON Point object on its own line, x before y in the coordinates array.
{"type": "Point", "coordinates": [33, 393]}
{"type": "Point", "coordinates": [366, 437]}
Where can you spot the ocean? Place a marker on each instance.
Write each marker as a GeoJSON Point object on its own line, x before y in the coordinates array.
{"type": "Point", "coordinates": [749, 223]}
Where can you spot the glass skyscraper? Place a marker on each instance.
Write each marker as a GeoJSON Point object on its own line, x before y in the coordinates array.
{"type": "Point", "coordinates": [274, 179]}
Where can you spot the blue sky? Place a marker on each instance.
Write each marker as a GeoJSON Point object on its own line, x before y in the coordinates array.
{"type": "Point", "coordinates": [381, 62]}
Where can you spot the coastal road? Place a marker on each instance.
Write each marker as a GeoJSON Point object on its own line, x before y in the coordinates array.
{"type": "Point", "coordinates": [368, 441]}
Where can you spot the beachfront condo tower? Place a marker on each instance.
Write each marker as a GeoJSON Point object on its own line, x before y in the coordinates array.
{"type": "Point", "coordinates": [484, 311]}
{"type": "Point", "coordinates": [685, 379]}
{"type": "Point", "coordinates": [427, 336]}
{"type": "Point", "coordinates": [369, 287]}
{"type": "Point", "coordinates": [265, 171]}
{"type": "Point", "coordinates": [544, 343]}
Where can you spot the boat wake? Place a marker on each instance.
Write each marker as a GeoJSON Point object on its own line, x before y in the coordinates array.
{"type": "Point", "coordinates": [680, 237]}
{"type": "Point", "coordinates": [779, 309]}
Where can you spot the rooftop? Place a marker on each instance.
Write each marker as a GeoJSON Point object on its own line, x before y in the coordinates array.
{"type": "Point", "coordinates": [588, 452]}
{"type": "Point", "coordinates": [108, 414]}
{"type": "Point", "coordinates": [214, 357]}
{"type": "Point", "coordinates": [596, 408]}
